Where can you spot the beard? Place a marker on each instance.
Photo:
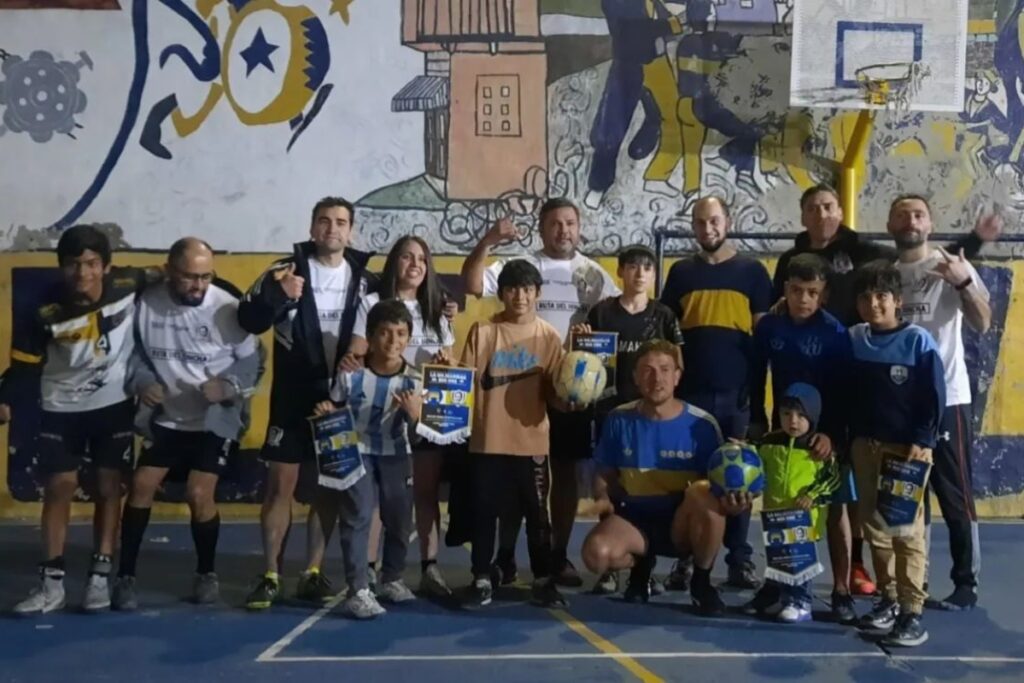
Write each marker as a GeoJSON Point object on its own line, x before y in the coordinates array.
{"type": "Point", "coordinates": [187, 299]}
{"type": "Point", "coordinates": [712, 247]}
{"type": "Point", "coordinates": [909, 239]}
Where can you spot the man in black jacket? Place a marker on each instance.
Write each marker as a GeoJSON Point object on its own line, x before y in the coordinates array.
{"type": "Point", "coordinates": [310, 300]}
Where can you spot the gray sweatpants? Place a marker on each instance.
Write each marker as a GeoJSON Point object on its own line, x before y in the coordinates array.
{"type": "Point", "coordinates": [388, 482]}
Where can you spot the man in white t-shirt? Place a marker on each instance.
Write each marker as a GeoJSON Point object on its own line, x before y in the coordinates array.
{"type": "Point", "coordinates": [193, 370]}
{"type": "Point", "coordinates": [309, 300]}
{"type": "Point", "coordinates": [571, 284]}
{"type": "Point", "coordinates": [940, 291]}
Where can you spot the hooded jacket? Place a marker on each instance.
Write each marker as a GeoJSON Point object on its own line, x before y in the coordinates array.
{"type": "Point", "coordinates": [302, 375]}
{"type": "Point", "coordinates": [789, 469]}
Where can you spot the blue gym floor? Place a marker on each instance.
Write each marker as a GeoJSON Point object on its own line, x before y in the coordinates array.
{"type": "Point", "coordinates": [596, 639]}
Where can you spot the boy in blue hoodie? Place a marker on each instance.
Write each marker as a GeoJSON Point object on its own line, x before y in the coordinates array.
{"type": "Point", "coordinates": [898, 393]}
{"type": "Point", "coordinates": [806, 343]}
{"type": "Point", "coordinates": [794, 479]}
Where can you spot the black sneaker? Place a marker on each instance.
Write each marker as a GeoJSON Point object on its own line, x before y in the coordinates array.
{"type": "Point", "coordinates": [314, 587]}
{"type": "Point", "coordinates": [545, 594]}
{"type": "Point", "coordinates": [767, 597]}
{"type": "Point", "coordinates": [264, 595]}
{"type": "Point", "coordinates": [566, 575]}
{"type": "Point", "coordinates": [504, 573]}
{"type": "Point", "coordinates": [843, 609]}
{"type": "Point", "coordinates": [477, 594]}
{"type": "Point", "coordinates": [962, 598]}
{"type": "Point", "coordinates": [881, 618]}
{"type": "Point", "coordinates": [607, 584]}
{"type": "Point", "coordinates": [743, 576]}
{"type": "Point", "coordinates": [638, 588]}
{"type": "Point", "coordinates": [908, 632]}
{"type": "Point", "coordinates": [679, 578]}
{"type": "Point", "coordinates": [707, 601]}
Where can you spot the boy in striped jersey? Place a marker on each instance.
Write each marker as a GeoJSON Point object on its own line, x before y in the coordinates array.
{"type": "Point", "coordinates": [385, 398]}
{"type": "Point", "coordinates": [74, 352]}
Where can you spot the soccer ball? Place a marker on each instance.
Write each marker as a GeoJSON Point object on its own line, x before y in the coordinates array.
{"type": "Point", "coordinates": [581, 378]}
{"type": "Point", "coordinates": [735, 468]}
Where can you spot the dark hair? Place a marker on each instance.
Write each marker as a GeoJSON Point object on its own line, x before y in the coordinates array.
{"type": "Point", "coordinates": [332, 202]}
{"type": "Point", "coordinates": [430, 294]}
{"type": "Point", "coordinates": [793, 403]}
{"type": "Point", "coordinates": [809, 267]}
{"type": "Point", "coordinates": [179, 248]}
{"type": "Point", "coordinates": [518, 273]}
{"type": "Point", "coordinates": [909, 197]}
{"type": "Point", "coordinates": [815, 189]}
{"type": "Point", "coordinates": [554, 204]}
{"type": "Point", "coordinates": [660, 346]}
{"type": "Point", "coordinates": [636, 253]}
{"type": "Point", "coordinates": [387, 311]}
{"type": "Point", "coordinates": [715, 198]}
{"type": "Point", "coordinates": [78, 239]}
{"type": "Point", "coordinates": [877, 276]}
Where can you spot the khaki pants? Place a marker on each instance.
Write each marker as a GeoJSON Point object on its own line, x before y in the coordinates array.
{"type": "Point", "coordinates": [900, 562]}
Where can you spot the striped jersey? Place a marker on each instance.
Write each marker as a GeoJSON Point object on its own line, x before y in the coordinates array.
{"type": "Point", "coordinates": [186, 346]}
{"type": "Point", "coordinates": [382, 426]}
{"type": "Point", "coordinates": [657, 458]}
{"type": "Point", "coordinates": [82, 351]}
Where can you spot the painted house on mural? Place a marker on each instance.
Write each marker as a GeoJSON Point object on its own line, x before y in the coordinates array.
{"type": "Point", "coordinates": [482, 94]}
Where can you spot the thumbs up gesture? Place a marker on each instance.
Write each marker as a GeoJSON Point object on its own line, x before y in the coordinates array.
{"type": "Point", "coordinates": [290, 283]}
{"type": "Point", "coordinates": [215, 389]}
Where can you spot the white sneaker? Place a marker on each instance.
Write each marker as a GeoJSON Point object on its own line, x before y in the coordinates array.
{"type": "Point", "coordinates": [433, 584]}
{"type": "Point", "coordinates": [45, 597]}
{"type": "Point", "coordinates": [395, 592]}
{"type": "Point", "coordinates": [792, 614]}
{"type": "Point", "coordinates": [97, 594]}
{"type": "Point", "coordinates": [363, 605]}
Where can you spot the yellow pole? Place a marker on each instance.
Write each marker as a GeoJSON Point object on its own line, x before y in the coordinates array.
{"type": "Point", "coordinates": [852, 167]}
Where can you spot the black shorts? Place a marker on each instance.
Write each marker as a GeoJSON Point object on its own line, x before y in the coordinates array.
{"type": "Point", "coordinates": [571, 435]}
{"type": "Point", "coordinates": [653, 519]}
{"type": "Point", "coordinates": [187, 451]}
{"type": "Point", "coordinates": [292, 444]}
{"type": "Point", "coordinates": [101, 437]}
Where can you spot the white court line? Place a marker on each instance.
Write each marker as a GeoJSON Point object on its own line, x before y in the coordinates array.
{"type": "Point", "coordinates": [643, 655]}
{"type": "Point", "coordinates": [270, 654]}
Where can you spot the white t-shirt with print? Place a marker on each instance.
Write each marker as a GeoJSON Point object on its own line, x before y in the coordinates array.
{"type": "Point", "coordinates": [330, 291]}
{"type": "Point", "coordinates": [187, 345]}
{"type": "Point", "coordinates": [424, 342]}
{"type": "Point", "coordinates": [935, 305]}
{"type": "Point", "coordinates": [569, 289]}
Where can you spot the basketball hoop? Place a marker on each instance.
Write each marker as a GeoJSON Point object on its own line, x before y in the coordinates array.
{"type": "Point", "coordinates": [892, 86]}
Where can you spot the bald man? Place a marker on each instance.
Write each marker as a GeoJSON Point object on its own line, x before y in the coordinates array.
{"type": "Point", "coordinates": [193, 371]}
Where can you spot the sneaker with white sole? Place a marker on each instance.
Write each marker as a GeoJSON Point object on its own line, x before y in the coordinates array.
{"type": "Point", "coordinates": [907, 632]}
{"type": "Point", "coordinates": [395, 592]}
{"type": "Point", "coordinates": [97, 594]}
{"type": "Point", "coordinates": [47, 596]}
{"type": "Point", "coordinates": [363, 605]}
{"type": "Point", "coordinates": [432, 583]}
{"type": "Point", "coordinates": [478, 594]}
{"type": "Point", "coordinates": [882, 617]}
{"type": "Point", "coordinates": [794, 614]}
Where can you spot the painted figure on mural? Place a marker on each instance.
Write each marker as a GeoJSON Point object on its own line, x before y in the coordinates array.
{"type": "Point", "coordinates": [638, 29]}
{"type": "Point", "coordinates": [1009, 62]}
{"type": "Point", "coordinates": [989, 130]}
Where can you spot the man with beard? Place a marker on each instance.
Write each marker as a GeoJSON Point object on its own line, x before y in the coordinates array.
{"type": "Point", "coordinates": [193, 371]}
{"type": "Point", "coordinates": [940, 290]}
{"type": "Point", "coordinates": [571, 284]}
{"type": "Point", "coordinates": [719, 296]}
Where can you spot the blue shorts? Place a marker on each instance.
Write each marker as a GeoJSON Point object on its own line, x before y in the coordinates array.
{"type": "Point", "coordinates": [653, 519]}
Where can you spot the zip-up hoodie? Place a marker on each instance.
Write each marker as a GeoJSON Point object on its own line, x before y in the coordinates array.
{"type": "Point", "coordinates": [789, 469]}
{"type": "Point", "coordinates": [302, 375]}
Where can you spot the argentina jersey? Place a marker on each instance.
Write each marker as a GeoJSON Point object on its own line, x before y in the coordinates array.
{"type": "Point", "coordinates": [657, 458]}
{"type": "Point", "coordinates": [382, 426]}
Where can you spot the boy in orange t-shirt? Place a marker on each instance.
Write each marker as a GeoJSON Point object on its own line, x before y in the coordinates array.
{"type": "Point", "coordinates": [515, 356]}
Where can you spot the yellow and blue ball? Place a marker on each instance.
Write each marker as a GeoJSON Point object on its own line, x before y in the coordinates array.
{"type": "Point", "coordinates": [735, 468]}
{"type": "Point", "coordinates": [581, 378]}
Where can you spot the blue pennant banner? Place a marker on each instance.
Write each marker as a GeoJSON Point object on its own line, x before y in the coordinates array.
{"type": "Point", "coordinates": [792, 556]}
{"type": "Point", "coordinates": [447, 404]}
{"type": "Point", "coordinates": [901, 488]}
{"type": "Point", "coordinates": [336, 443]}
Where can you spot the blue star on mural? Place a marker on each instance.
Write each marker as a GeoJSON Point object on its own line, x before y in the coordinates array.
{"type": "Point", "coordinates": [258, 52]}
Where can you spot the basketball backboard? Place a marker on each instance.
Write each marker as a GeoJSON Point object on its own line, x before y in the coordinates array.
{"type": "Point", "coordinates": [877, 54]}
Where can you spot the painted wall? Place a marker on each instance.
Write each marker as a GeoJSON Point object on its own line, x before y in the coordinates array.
{"type": "Point", "coordinates": [229, 118]}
